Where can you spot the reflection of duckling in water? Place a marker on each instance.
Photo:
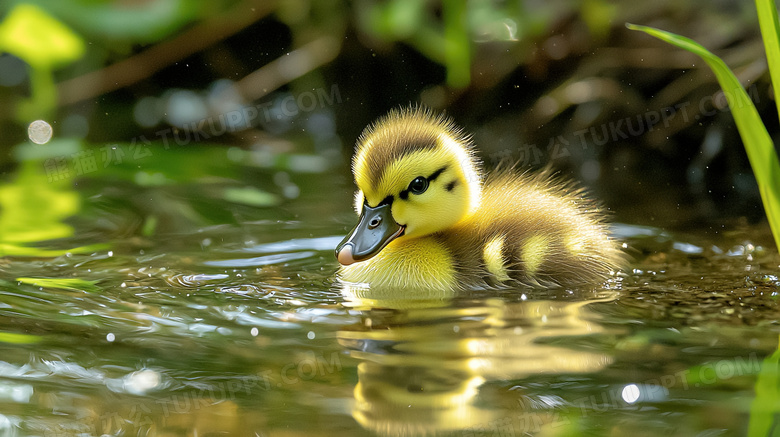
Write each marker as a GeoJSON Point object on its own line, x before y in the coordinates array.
{"type": "Point", "coordinates": [460, 372]}
{"type": "Point", "coordinates": [427, 221]}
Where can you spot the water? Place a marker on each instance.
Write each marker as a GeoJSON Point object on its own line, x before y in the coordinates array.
{"type": "Point", "coordinates": [186, 307]}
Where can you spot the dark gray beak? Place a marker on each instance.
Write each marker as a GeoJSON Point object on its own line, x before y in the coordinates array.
{"type": "Point", "coordinates": [375, 230]}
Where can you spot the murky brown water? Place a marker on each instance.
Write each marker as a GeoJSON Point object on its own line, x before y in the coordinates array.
{"type": "Point", "coordinates": [217, 317]}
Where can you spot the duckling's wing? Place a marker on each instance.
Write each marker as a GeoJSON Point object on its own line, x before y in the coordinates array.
{"type": "Point", "coordinates": [535, 229]}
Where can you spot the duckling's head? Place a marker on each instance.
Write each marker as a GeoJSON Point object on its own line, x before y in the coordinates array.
{"type": "Point", "coordinates": [416, 174]}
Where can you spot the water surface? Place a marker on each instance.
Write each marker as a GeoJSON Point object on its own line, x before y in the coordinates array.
{"type": "Point", "coordinates": [197, 306]}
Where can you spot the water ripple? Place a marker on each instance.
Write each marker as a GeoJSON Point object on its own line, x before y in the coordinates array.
{"type": "Point", "coordinates": [194, 281]}
{"type": "Point", "coordinates": [260, 260]}
{"type": "Point", "coordinates": [320, 244]}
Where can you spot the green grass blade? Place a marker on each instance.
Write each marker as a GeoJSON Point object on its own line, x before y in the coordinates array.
{"type": "Point", "coordinates": [13, 338]}
{"type": "Point", "coordinates": [758, 143]}
{"type": "Point", "coordinates": [457, 49]}
{"type": "Point", "coordinates": [70, 284]}
{"type": "Point", "coordinates": [770, 32]}
{"type": "Point", "coordinates": [763, 409]}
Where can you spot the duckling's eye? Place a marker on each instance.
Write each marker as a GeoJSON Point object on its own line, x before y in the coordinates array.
{"type": "Point", "coordinates": [418, 185]}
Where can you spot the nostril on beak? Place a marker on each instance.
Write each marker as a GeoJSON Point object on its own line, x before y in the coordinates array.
{"type": "Point", "coordinates": [374, 222]}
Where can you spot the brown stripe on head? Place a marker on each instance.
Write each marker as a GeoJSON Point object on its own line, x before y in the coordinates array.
{"type": "Point", "coordinates": [399, 133]}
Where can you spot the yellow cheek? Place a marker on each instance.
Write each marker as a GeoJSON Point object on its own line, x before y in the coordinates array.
{"type": "Point", "coordinates": [408, 216]}
{"type": "Point", "coordinates": [420, 216]}
{"type": "Point", "coordinates": [433, 211]}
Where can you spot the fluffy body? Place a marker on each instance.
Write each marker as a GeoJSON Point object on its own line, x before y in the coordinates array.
{"type": "Point", "coordinates": [465, 233]}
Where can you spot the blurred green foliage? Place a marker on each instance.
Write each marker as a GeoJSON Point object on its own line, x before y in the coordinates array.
{"type": "Point", "coordinates": [756, 138]}
{"type": "Point", "coordinates": [763, 409]}
{"type": "Point", "coordinates": [134, 22]}
{"type": "Point", "coordinates": [514, 72]}
{"type": "Point", "coordinates": [447, 34]}
{"type": "Point", "coordinates": [31, 32]}
{"type": "Point", "coordinates": [766, 167]}
{"type": "Point", "coordinates": [33, 209]}
{"type": "Point", "coordinates": [44, 43]}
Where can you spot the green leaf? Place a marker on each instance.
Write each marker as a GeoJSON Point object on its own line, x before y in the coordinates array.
{"type": "Point", "coordinates": [758, 143]}
{"type": "Point", "coordinates": [249, 196]}
{"type": "Point", "coordinates": [36, 252]}
{"type": "Point", "coordinates": [397, 19]}
{"type": "Point", "coordinates": [598, 16]}
{"type": "Point", "coordinates": [150, 225]}
{"type": "Point", "coordinates": [120, 22]}
{"type": "Point", "coordinates": [770, 32]}
{"type": "Point", "coordinates": [13, 338]}
{"type": "Point", "coordinates": [33, 35]}
{"type": "Point", "coordinates": [763, 409]}
{"type": "Point", "coordinates": [70, 284]}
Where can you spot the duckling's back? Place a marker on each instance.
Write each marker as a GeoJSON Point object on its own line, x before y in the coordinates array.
{"type": "Point", "coordinates": [532, 229]}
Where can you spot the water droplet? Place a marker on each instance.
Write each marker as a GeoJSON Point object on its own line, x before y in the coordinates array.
{"type": "Point", "coordinates": [39, 132]}
{"type": "Point", "coordinates": [630, 393]}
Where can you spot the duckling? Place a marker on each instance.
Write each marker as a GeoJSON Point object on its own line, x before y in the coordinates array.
{"type": "Point", "coordinates": [429, 220]}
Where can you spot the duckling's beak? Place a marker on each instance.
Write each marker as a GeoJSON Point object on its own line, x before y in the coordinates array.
{"type": "Point", "coordinates": [375, 230]}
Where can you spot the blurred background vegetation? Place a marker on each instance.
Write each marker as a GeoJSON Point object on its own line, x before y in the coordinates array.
{"type": "Point", "coordinates": [290, 84]}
